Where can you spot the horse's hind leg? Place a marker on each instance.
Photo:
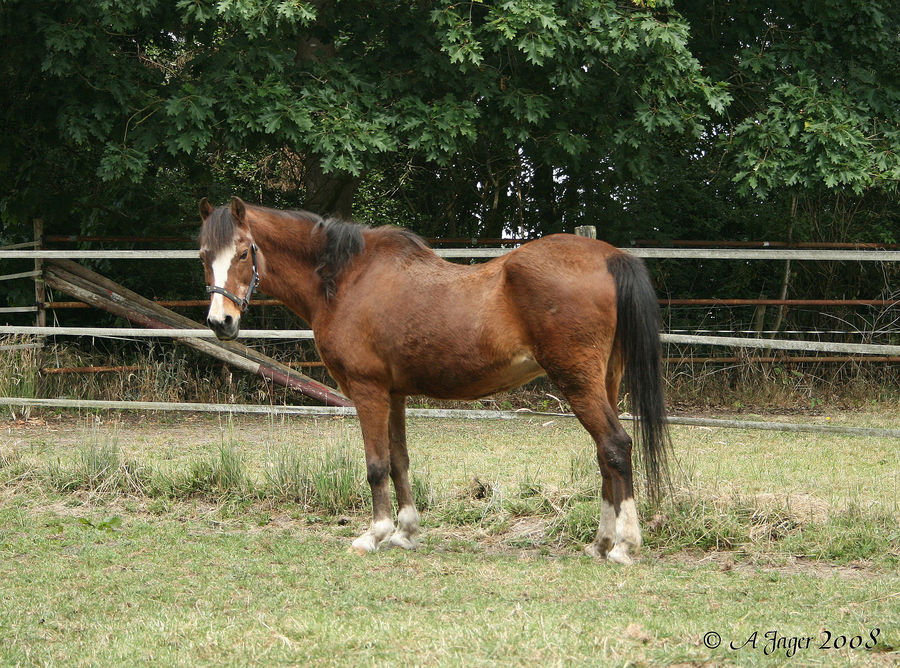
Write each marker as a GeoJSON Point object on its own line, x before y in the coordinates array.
{"type": "Point", "coordinates": [407, 516]}
{"type": "Point", "coordinates": [618, 534]}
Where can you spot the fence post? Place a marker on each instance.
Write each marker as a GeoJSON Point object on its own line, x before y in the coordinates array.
{"type": "Point", "coordinates": [40, 317]}
{"type": "Point", "coordinates": [586, 231]}
{"type": "Point", "coordinates": [40, 290]}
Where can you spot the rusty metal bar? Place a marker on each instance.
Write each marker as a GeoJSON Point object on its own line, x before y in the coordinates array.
{"type": "Point", "coordinates": [161, 302]}
{"type": "Point", "coordinates": [83, 238]}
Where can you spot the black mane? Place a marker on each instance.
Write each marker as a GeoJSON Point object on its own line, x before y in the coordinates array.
{"type": "Point", "coordinates": [344, 241]}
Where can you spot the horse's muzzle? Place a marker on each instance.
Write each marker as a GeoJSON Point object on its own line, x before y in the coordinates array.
{"type": "Point", "coordinates": [226, 329]}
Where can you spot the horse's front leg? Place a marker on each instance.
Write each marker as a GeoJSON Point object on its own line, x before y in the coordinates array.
{"type": "Point", "coordinates": [373, 409]}
{"type": "Point", "coordinates": [407, 516]}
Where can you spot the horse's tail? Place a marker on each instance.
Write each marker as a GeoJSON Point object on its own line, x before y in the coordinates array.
{"type": "Point", "coordinates": [637, 339]}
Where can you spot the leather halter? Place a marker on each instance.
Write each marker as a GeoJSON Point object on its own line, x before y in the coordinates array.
{"type": "Point", "coordinates": [241, 303]}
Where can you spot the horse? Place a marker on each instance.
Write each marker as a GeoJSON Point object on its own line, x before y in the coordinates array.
{"type": "Point", "coordinates": [391, 319]}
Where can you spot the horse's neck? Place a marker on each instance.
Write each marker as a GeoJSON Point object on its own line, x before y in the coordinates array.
{"type": "Point", "coordinates": [287, 271]}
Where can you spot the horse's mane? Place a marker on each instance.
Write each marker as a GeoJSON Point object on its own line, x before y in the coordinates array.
{"type": "Point", "coordinates": [344, 240]}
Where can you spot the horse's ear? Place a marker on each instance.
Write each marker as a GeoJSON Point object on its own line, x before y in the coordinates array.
{"type": "Point", "coordinates": [205, 208]}
{"type": "Point", "coordinates": [239, 211]}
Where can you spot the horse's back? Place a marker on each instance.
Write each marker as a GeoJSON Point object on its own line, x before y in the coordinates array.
{"type": "Point", "coordinates": [562, 282]}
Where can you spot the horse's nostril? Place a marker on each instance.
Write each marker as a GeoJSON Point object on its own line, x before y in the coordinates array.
{"type": "Point", "coordinates": [228, 321]}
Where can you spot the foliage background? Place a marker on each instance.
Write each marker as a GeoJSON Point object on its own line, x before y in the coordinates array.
{"type": "Point", "coordinates": [651, 119]}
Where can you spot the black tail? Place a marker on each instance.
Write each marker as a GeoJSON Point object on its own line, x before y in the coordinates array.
{"type": "Point", "coordinates": [637, 337]}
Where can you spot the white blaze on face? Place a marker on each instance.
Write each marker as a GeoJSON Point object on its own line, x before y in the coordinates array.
{"type": "Point", "coordinates": [220, 266]}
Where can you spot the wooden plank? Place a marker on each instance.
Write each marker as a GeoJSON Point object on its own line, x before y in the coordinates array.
{"type": "Point", "coordinates": [24, 244]}
{"type": "Point", "coordinates": [100, 291]}
{"type": "Point", "coordinates": [20, 346]}
{"type": "Point", "coordinates": [21, 274]}
{"type": "Point", "coordinates": [160, 330]}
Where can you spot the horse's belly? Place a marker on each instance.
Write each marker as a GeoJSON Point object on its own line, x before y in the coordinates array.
{"type": "Point", "coordinates": [520, 370]}
{"type": "Point", "coordinates": [472, 381]}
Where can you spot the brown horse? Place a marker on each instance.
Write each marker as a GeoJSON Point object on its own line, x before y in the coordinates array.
{"type": "Point", "coordinates": [392, 319]}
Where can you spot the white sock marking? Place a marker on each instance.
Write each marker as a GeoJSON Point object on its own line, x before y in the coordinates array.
{"type": "Point", "coordinates": [408, 519]}
{"type": "Point", "coordinates": [627, 529]}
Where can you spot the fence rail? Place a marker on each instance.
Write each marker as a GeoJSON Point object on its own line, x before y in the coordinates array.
{"type": "Point", "coordinates": [475, 253]}
{"type": "Point", "coordinates": [726, 341]}
{"type": "Point", "coordinates": [161, 333]}
{"type": "Point", "coordinates": [312, 411]}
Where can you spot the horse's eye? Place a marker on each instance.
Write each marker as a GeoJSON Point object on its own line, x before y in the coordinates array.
{"type": "Point", "coordinates": [244, 255]}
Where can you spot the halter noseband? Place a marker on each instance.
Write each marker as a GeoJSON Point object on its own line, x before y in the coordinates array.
{"type": "Point", "coordinates": [242, 304]}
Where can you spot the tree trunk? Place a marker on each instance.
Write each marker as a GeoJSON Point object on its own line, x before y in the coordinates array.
{"type": "Point", "coordinates": [786, 276]}
{"type": "Point", "coordinates": [329, 194]}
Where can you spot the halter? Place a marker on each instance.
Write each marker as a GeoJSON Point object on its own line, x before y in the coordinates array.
{"type": "Point", "coordinates": [254, 281]}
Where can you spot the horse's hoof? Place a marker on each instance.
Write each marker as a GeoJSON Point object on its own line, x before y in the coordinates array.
{"type": "Point", "coordinates": [594, 552]}
{"type": "Point", "coordinates": [364, 544]}
{"type": "Point", "coordinates": [619, 555]}
{"type": "Point", "coordinates": [403, 542]}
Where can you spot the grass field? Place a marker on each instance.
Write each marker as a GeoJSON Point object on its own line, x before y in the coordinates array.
{"type": "Point", "coordinates": [192, 540]}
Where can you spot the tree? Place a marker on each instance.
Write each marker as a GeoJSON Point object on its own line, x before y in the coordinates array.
{"type": "Point", "coordinates": [114, 92]}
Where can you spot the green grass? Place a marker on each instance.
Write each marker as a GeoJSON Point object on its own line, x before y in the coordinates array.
{"type": "Point", "coordinates": [200, 542]}
{"type": "Point", "coordinates": [172, 593]}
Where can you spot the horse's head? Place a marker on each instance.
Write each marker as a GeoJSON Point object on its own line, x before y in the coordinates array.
{"type": "Point", "coordinates": [230, 261]}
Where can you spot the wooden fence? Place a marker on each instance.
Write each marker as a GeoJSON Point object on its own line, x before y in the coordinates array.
{"type": "Point", "coordinates": [182, 329]}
